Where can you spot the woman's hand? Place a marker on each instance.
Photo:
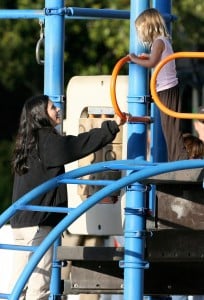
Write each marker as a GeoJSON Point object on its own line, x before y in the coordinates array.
{"type": "Point", "coordinates": [121, 121]}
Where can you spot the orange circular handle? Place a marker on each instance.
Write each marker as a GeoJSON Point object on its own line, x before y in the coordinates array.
{"type": "Point", "coordinates": [155, 97]}
{"type": "Point", "coordinates": [117, 110]}
{"type": "Point", "coordinates": [114, 75]}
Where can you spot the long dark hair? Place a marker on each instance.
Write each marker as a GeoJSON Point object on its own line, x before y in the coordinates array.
{"type": "Point", "coordinates": [33, 117]}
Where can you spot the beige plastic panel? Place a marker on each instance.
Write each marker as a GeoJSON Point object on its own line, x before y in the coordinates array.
{"type": "Point", "coordinates": [94, 91]}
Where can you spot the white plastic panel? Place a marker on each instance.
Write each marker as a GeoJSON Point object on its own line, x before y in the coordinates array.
{"type": "Point", "coordinates": [92, 93]}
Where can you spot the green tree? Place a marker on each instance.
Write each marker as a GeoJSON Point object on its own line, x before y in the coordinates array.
{"type": "Point", "coordinates": [94, 46]}
{"type": "Point", "coordinates": [17, 48]}
{"type": "Point", "coordinates": [188, 30]}
{"type": "Point", "coordinates": [91, 46]}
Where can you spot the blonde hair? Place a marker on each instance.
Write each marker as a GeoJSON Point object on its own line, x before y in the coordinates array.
{"type": "Point", "coordinates": [150, 25]}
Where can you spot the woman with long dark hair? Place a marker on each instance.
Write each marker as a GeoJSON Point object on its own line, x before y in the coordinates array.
{"type": "Point", "coordinates": [40, 154]}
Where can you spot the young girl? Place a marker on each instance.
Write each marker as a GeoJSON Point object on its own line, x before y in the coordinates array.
{"type": "Point", "coordinates": [152, 32]}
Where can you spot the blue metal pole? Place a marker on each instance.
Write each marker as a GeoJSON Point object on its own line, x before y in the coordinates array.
{"type": "Point", "coordinates": [158, 150]}
{"type": "Point", "coordinates": [157, 141]}
{"type": "Point", "coordinates": [54, 85]}
{"type": "Point", "coordinates": [21, 14]}
{"type": "Point", "coordinates": [97, 13]}
{"type": "Point", "coordinates": [164, 7]}
{"type": "Point", "coordinates": [55, 283]}
{"type": "Point", "coordinates": [137, 89]}
{"type": "Point", "coordinates": [158, 144]}
{"type": "Point", "coordinates": [136, 148]}
{"type": "Point", "coordinates": [54, 51]}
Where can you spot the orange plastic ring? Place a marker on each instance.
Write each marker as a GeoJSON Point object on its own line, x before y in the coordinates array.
{"type": "Point", "coordinates": [154, 94]}
{"type": "Point", "coordinates": [114, 75]}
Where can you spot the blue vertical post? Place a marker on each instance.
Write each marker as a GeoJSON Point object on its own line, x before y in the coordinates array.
{"type": "Point", "coordinates": [158, 148]}
{"type": "Point", "coordinates": [164, 7]}
{"type": "Point", "coordinates": [158, 144]}
{"type": "Point", "coordinates": [136, 148]}
{"type": "Point", "coordinates": [54, 88]}
{"type": "Point", "coordinates": [55, 281]}
{"type": "Point", "coordinates": [54, 51]}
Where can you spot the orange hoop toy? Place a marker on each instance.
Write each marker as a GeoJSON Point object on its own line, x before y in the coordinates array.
{"type": "Point", "coordinates": [116, 108]}
{"type": "Point", "coordinates": [155, 97]}
{"type": "Point", "coordinates": [115, 72]}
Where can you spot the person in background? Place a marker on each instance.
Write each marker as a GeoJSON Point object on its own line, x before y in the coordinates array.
{"type": "Point", "coordinates": [153, 34]}
{"type": "Point", "coordinates": [40, 154]}
{"type": "Point", "coordinates": [199, 124]}
{"type": "Point", "coordinates": [194, 146]}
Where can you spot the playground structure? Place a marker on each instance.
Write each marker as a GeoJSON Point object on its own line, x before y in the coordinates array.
{"type": "Point", "coordinates": [140, 246]}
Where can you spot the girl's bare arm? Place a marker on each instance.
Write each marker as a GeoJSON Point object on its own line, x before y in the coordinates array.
{"type": "Point", "coordinates": [153, 59]}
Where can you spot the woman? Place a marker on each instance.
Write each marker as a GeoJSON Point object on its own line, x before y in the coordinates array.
{"type": "Point", "coordinates": [40, 153]}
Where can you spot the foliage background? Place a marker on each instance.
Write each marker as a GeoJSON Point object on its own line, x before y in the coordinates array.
{"type": "Point", "coordinates": [91, 48]}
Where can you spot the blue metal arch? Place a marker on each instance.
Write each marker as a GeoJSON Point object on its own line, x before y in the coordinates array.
{"type": "Point", "coordinates": [139, 171]}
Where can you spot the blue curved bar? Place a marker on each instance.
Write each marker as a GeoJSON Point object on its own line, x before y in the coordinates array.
{"type": "Point", "coordinates": [133, 177]}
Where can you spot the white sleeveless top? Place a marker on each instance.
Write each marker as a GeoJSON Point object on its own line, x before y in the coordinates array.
{"type": "Point", "coordinates": [167, 77]}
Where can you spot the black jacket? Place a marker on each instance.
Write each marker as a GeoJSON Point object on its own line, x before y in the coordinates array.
{"type": "Point", "coordinates": [54, 151]}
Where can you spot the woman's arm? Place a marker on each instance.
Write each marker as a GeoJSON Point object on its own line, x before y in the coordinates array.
{"type": "Point", "coordinates": [58, 150]}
